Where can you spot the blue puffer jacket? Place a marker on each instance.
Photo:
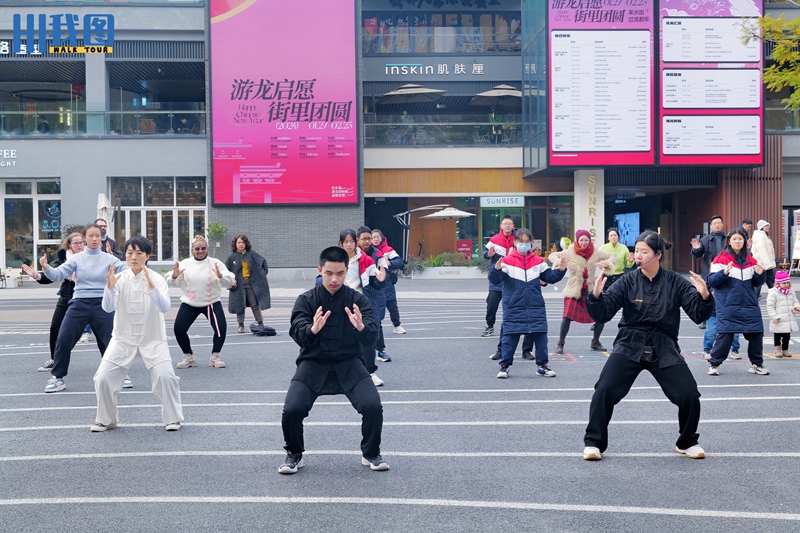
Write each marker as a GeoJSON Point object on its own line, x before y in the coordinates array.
{"type": "Point", "coordinates": [523, 304]}
{"type": "Point", "coordinates": [501, 245]}
{"type": "Point", "coordinates": [375, 290]}
{"type": "Point", "coordinates": [735, 296]}
{"type": "Point", "coordinates": [395, 264]}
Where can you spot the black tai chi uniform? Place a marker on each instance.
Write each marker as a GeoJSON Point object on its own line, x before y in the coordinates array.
{"type": "Point", "coordinates": [332, 362]}
{"type": "Point", "coordinates": [650, 317]}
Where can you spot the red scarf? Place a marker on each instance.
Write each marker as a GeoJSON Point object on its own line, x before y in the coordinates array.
{"type": "Point", "coordinates": [586, 253]}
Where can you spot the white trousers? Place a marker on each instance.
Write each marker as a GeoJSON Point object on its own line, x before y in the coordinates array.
{"type": "Point", "coordinates": [108, 383]}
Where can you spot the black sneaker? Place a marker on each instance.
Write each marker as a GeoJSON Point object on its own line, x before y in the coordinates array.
{"type": "Point", "coordinates": [591, 328]}
{"type": "Point", "coordinates": [702, 325]}
{"type": "Point", "coordinates": [503, 374]}
{"type": "Point", "coordinates": [596, 346]}
{"type": "Point", "coordinates": [528, 356]}
{"type": "Point", "coordinates": [488, 332]}
{"type": "Point", "coordinates": [375, 463]}
{"type": "Point", "coordinates": [47, 366]}
{"type": "Point", "coordinates": [495, 356]}
{"type": "Point", "coordinates": [559, 348]}
{"type": "Point", "coordinates": [291, 464]}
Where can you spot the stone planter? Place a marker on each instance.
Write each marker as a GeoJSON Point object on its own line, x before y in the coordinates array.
{"type": "Point", "coordinates": [453, 272]}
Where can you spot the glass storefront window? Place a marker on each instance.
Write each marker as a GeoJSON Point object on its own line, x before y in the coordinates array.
{"type": "Point", "coordinates": [471, 201]}
{"type": "Point", "coordinates": [127, 190]}
{"type": "Point", "coordinates": [49, 219]}
{"type": "Point", "coordinates": [158, 191]}
{"type": "Point", "coordinates": [18, 187]}
{"type": "Point", "coordinates": [560, 225]}
{"type": "Point", "coordinates": [536, 201]}
{"type": "Point", "coordinates": [467, 229]}
{"type": "Point", "coordinates": [166, 236]}
{"type": "Point", "coordinates": [152, 231]}
{"type": "Point", "coordinates": [48, 187]}
{"type": "Point", "coordinates": [136, 223]}
{"type": "Point", "coordinates": [191, 191]}
{"type": "Point", "coordinates": [199, 224]}
{"type": "Point", "coordinates": [51, 250]}
{"type": "Point", "coordinates": [183, 235]}
{"type": "Point", "coordinates": [19, 230]}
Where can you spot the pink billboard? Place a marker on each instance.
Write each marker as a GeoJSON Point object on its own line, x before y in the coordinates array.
{"type": "Point", "coordinates": [283, 102]}
{"type": "Point", "coordinates": [711, 108]}
{"type": "Point", "coordinates": [601, 83]}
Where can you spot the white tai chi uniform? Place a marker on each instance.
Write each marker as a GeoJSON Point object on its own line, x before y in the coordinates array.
{"type": "Point", "coordinates": [138, 329]}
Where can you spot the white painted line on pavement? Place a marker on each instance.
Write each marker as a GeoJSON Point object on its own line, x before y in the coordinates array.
{"type": "Point", "coordinates": [401, 402]}
{"type": "Point", "coordinates": [361, 501]}
{"type": "Point", "coordinates": [474, 423]}
{"type": "Point", "coordinates": [415, 391]}
{"type": "Point", "coordinates": [468, 455]}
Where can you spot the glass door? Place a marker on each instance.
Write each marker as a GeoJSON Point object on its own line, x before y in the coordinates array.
{"type": "Point", "coordinates": [491, 218]}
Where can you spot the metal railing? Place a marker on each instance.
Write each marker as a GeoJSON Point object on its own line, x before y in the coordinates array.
{"type": "Point", "coordinates": [443, 134]}
{"type": "Point", "coordinates": [50, 119]}
{"type": "Point", "coordinates": [439, 40]}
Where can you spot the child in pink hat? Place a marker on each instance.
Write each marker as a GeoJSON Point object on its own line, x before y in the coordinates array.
{"type": "Point", "coordinates": [782, 305]}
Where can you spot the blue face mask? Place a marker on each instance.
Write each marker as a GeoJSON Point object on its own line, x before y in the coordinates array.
{"type": "Point", "coordinates": [523, 247]}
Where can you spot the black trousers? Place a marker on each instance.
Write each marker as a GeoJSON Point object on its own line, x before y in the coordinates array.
{"type": "Point", "coordinates": [492, 303]}
{"type": "Point", "coordinates": [380, 344]}
{"type": "Point", "coordinates": [782, 340]}
{"type": "Point", "coordinates": [394, 312]}
{"type": "Point", "coordinates": [80, 313]}
{"type": "Point", "coordinates": [527, 342]}
{"type": "Point", "coordinates": [724, 341]}
{"type": "Point", "coordinates": [769, 283]}
{"type": "Point", "coordinates": [55, 323]}
{"type": "Point", "coordinates": [616, 380]}
{"type": "Point", "coordinates": [364, 397]}
{"type": "Point", "coordinates": [187, 314]}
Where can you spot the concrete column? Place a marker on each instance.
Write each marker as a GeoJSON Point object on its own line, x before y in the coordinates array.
{"type": "Point", "coordinates": [590, 213]}
{"type": "Point", "coordinates": [96, 94]}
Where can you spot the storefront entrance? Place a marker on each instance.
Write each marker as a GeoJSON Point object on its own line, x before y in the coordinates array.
{"type": "Point", "coordinates": [30, 221]}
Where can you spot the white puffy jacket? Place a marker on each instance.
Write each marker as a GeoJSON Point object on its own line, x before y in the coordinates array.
{"type": "Point", "coordinates": [763, 249]}
{"type": "Point", "coordinates": [781, 306]}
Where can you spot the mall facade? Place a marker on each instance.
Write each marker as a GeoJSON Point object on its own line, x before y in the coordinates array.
{"type": "Point", "coordinates": [131, 123]}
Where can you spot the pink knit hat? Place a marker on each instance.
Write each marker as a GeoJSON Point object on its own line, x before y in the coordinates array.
{"type": "Point", "coordinates": [582, 232]}
{"type": "Point", "coordinates": [781, 276]}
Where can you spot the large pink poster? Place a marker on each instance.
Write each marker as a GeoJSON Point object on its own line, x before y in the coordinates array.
{"type": "Point", "coordinates": [284, 119]}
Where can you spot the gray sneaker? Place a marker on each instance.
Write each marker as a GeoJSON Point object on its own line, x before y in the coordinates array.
{"type": "Point", "coordinates": [734, 354]}
{"type": "Point", "coordinates": [760, 370]}
{"type": "Point", "coordinates": [375, 463]}
{"type": "Point", "coordinates": [291, 464]}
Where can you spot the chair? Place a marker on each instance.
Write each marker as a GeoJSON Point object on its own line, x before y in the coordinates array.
{"type": "Point", "coordinates": [195, 128]}
{"type": "Point", "coordinates": [393, 137]}
{"type": "Point", "coordinates": [479, 140]}
{"type": "Point", "coordinates": [505, 139]}
{"type": "Point", "coordinates": [422, 137]}
{"type": "Point", "coordinates": [147, 125]}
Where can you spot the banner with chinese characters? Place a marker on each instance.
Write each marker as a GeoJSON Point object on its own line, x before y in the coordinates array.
{"type": "Point", "coordinates": [601, 94]}
{"type": "Point", "coordinates": [284, 118]}
{"type": "Point", "coordinates": [712, 102]}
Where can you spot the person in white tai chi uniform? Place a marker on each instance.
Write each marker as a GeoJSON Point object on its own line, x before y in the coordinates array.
{"type": "Point", "coordinates": [140, 297]}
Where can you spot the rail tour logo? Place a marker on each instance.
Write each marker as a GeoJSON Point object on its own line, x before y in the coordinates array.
{"type": "Point", "coordinates": [68, 33]}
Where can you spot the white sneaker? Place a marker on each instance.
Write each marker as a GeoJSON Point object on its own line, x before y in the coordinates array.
{"type": "Point", "coordinates": [97, 427]}
{"type": "Point", "coordinates": [591, 453]}
{"type": "Point", "coordinates": [706, 355]}
{"type": "Point", "coordinates": [376, 380]}
{"type": "Point", "coordinates": [693, 452]}
{"type": "Point", "coordinates": [127, 384]}
{"type": "Point", "coordinates": [399, 330]}
{"type": "Point", "coordinates": [713, 370]}
{"type": "Point", "coordinates": [735, 354]}
{"type": "Point", "coordinates": [760, 370]}
{"type": "Point", "coordinates": [85, 338]}
{"type": "Point", "coordinates": [173, 426]}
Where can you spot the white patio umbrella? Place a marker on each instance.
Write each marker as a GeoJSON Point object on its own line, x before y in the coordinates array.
{"type": "Point", "coordinates": [411, 94]}
{"type": "Point", "coordinates": [499, 95]}
{"type": "Point", "coordinates": [448, 213]}
{"type": "Point", "coordinates": [104, 209]}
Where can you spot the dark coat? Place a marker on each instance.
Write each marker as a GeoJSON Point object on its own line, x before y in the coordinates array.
{"type": "Point", "coordinates": [523, 304]}
{"type": "Point", "coordinates": [711, 246]}
{"type": "Point", "coordinates": [737, 303]}
{"type": "Point", "coordinates": [651, 313]}
{"type": "Point", "coordinates": [115, 251]}
{"type": "Point", "coordinates": [258, 280]}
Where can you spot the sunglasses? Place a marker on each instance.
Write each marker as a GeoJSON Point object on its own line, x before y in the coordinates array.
{"type": "Point", "coordinates": [200, 248]}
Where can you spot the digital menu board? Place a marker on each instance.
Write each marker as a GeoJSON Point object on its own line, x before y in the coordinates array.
{"type": "Point", "coordinates": [283, 111]}
{"type": "Point", "coordinates": [711, 99]}
{"type": "Point", "coordinates": [601, 83]}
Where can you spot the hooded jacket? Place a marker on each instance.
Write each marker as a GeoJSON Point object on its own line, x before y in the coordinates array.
{"type": "Point", "coordinates": [374, 289]}
{"type": "Point", "coordinates": [781, 307]}
{"type": "Point", "coordinates": [502, 246]}
{"type": "Point", "coordinates": [737, 304]}
{"type": "Point", "coordinates": [763, 249]}
{"type": "Point", "coordinates": [523, 304]}
{"type": "Point", "coordinates": [395, 264]}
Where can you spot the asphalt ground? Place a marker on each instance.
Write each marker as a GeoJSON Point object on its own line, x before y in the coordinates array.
{"type": "Point", "coordinates": [468, 452]}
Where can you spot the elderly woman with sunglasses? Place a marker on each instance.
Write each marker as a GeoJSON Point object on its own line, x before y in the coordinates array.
{"type": "Point", "coordinates": [201, 278]}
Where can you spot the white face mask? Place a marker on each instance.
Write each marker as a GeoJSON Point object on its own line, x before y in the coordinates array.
{"type": "Point", "coordinates": [523, 247]}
